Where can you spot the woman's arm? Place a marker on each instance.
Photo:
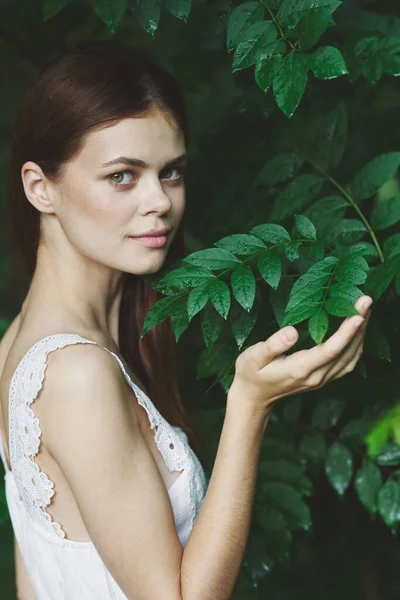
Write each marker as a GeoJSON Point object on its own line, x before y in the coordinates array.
{"type": "Point", "coordinates": [22, 581]}
{"type": "Point", "coordinates": [263, 373]}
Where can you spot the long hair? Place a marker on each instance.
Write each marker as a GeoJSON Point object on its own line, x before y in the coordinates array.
{"type": "Point", "coordinates": [85, 89]}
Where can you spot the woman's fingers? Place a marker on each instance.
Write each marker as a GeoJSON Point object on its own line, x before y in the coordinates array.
{"type": "Point", "coordinates": [320, 356]}
{"type": "Point", "coordinates": [264, 352]}
{"type": "Point", "coordinates": [347, 360]}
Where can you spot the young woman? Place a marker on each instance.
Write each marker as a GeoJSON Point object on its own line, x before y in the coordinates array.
{"type": "Point", "coordinates": [107, 497]}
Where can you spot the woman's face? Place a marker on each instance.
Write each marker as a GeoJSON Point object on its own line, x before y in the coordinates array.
{"type": "Point", "coordinates": [141, 188]}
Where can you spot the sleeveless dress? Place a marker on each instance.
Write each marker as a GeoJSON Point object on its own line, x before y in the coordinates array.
{"type": "Point", "coordinates": [60, 568]}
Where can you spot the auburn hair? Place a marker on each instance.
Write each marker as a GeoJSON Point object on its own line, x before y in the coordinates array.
{"type": "Point", "coordinates": [86, 89]}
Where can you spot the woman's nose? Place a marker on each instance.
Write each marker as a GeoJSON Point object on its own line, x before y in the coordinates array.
{"type": "Point", "coordinates": [155, 198]}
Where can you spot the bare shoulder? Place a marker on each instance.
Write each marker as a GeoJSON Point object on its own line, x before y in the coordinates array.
{"type": "Point", "coordinates": [94, 437]}
{"type": "Point", "coordinates": [86, 385]}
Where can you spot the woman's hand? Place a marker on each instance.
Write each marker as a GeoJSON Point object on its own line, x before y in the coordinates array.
{"type": "Point", "coordinates": [263, 373]}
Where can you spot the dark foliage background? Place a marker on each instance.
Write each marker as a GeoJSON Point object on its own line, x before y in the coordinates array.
{"type": "Point", "coordinates": [328, 503]}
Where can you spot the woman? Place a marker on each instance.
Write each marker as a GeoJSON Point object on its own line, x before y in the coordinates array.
{"type": "Point", "coordinates": [107, 497]}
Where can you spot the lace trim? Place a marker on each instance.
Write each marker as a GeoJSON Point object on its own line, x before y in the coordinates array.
{"type": "Point", "coordinates": [35, 488]}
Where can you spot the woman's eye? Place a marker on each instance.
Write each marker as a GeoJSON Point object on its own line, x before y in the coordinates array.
{"type": "Point", "coordinates": [125, 178]}
{"type": "Point", "coordinates": [120, 177]}
{"type": "Point", "coordinates": [178, 174]}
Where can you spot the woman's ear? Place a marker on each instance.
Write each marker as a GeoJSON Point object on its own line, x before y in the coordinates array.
{"type": "Point", "coordinates": [36, 186]}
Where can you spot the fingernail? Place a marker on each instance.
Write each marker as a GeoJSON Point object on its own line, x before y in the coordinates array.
{"type": "Point", "coordinates": [357, 322]}
{"type": "Point", "coordinates": [289, 334]}
{"type": "Point", "coordinates": [367, 304]}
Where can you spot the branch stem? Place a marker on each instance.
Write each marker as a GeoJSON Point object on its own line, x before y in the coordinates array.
{"type": "Point", "coordinates": [353, 204]}
{"type": "Point", "coordinates": [277, 25]}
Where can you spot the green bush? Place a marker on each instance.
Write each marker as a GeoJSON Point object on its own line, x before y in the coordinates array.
{"type": "Point", "coordinates": [298, 215]}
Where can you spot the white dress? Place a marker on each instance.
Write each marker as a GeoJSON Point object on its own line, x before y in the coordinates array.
{"type": "Point", "coordinates": [60, 568]}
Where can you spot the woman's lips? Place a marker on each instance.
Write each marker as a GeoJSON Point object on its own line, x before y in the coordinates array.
{"type": "Point", "coordinates": [151, 241]}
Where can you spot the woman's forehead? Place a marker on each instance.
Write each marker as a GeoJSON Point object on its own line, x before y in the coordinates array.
{"type": "Point", "coordinates": [151, 138]}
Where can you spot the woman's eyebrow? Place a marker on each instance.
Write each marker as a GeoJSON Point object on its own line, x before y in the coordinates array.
{"type": "Point", "coordinates": [136, 162]}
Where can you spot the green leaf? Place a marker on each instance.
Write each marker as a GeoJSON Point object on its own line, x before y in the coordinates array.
{"type": "Point", "coordinates": [213, 259]}
{"type": "Point", "coordinates": [179, 319]}
{"type": "Point", "coordinates": [300, 312]}
{"type": "Point", "coordinates": [270, 268]}
{"type": "Point", "coordinates": [308, 290]}
{"type": "Point", "coordinates": [339, 467]}
{"type": "Point", "coordinates": [52, 7]}
{"type": "Point", "coordinates": [291, 11]}
{"type": "Point", "coordinates": [266, 69]}
{"type": "Point", "coordinates": [109, 11]}
{"type": "Point", "coordinates": [280, 168]}
{"type": "Point", "coordinates": [348, 231]}
{"type": "Point", "coordinates": [327, 413]}
{"type": "Point", "coordinates": [292, 250]}
{"type": "Point", "coordinates": [389, 454]}
{"type": "Point", "coordinates": [287, 500]}
{"type": "Point", "coordinates": [389, 504]}
{"type": "Point", "coordinates": [283, 470]}
{"type": "Point", "coordinates": [378, 437]}
{"type": "Point", "coordinates": [327, 138]}
{"type": "Point", "coordinates": [278, 536]}
{"type": "Point", "coordinates": [214, 361]}
{"type": "Point", "coordinates": [242, 326]}
{"type": "Point", "coordinates": [347, 291]}
{"type": "Point", "coordinates": [374, 174]}
{"type": "Point", "coordinates": [211, 325]}
{"type": "Point", "coordinates": [179, 8]}
{"type": "Point", "coordinates": [305, 227]}
{"type": "Point", "coordinates": [149, 15]}
{"type": "Point", "coordinates": [296, 195]}
{"type": "Point", "coordinates": [379, 278]}
{"type": "Point", "coordinates": [388, 425]}
{"type": "Point", "coordinates": [239, 21]}
{"type": "Point", "coordinates": [355, 431]}
{"type": "Point", "coordinates": [313, 449]}
{"type": "Point", "coordinates": [352, 270]}
{"type": "Point", "coordinates": [327, 62]}
{"type": "Point", "coordinates": [368, 482]}
{"type": "Point", "coordinates": [159, 312]}
{"type": "Point", "coordinates": [391, 246]}
{"type": "Point", "coordinates": [386, 213]}
{"type": "Point", "coordinates": [375, 56]}
{"type": "Point", "coordinates": [220, 295]}
{"type": "Point", "coordinates": [391, 65]}
{"type": "Point", "coordinates": [197, 299]}
{"type": "Point", "coordinates": [317, 251]}
{"type": "Point", "coordinates": [340, 307]}
{"type": "Point", "coordinates": [364, 249]}
{"type": "Point", "coordinates": [257, 558]}
{"type": "Point", "coordinates": [241, 243]}
{"type": "Point", "coordinates": [311, 26]}
{"type": "Point", "coordinates": [243, 286]}
{"type": "Point", "coordinates": [260, 40]}
{"type": "Point", "coordinates": [326, 213]}
{"type": "Point", "coordinates": [187, 276]}
{"type": "Point", "coordinates": [318, 325]}
{"type": "Point", "coordinates": [271, 232]}
{"type": "Point", "coordinates": [278, 299]}
{"type": "Point", "coordinates": [290, 82]}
